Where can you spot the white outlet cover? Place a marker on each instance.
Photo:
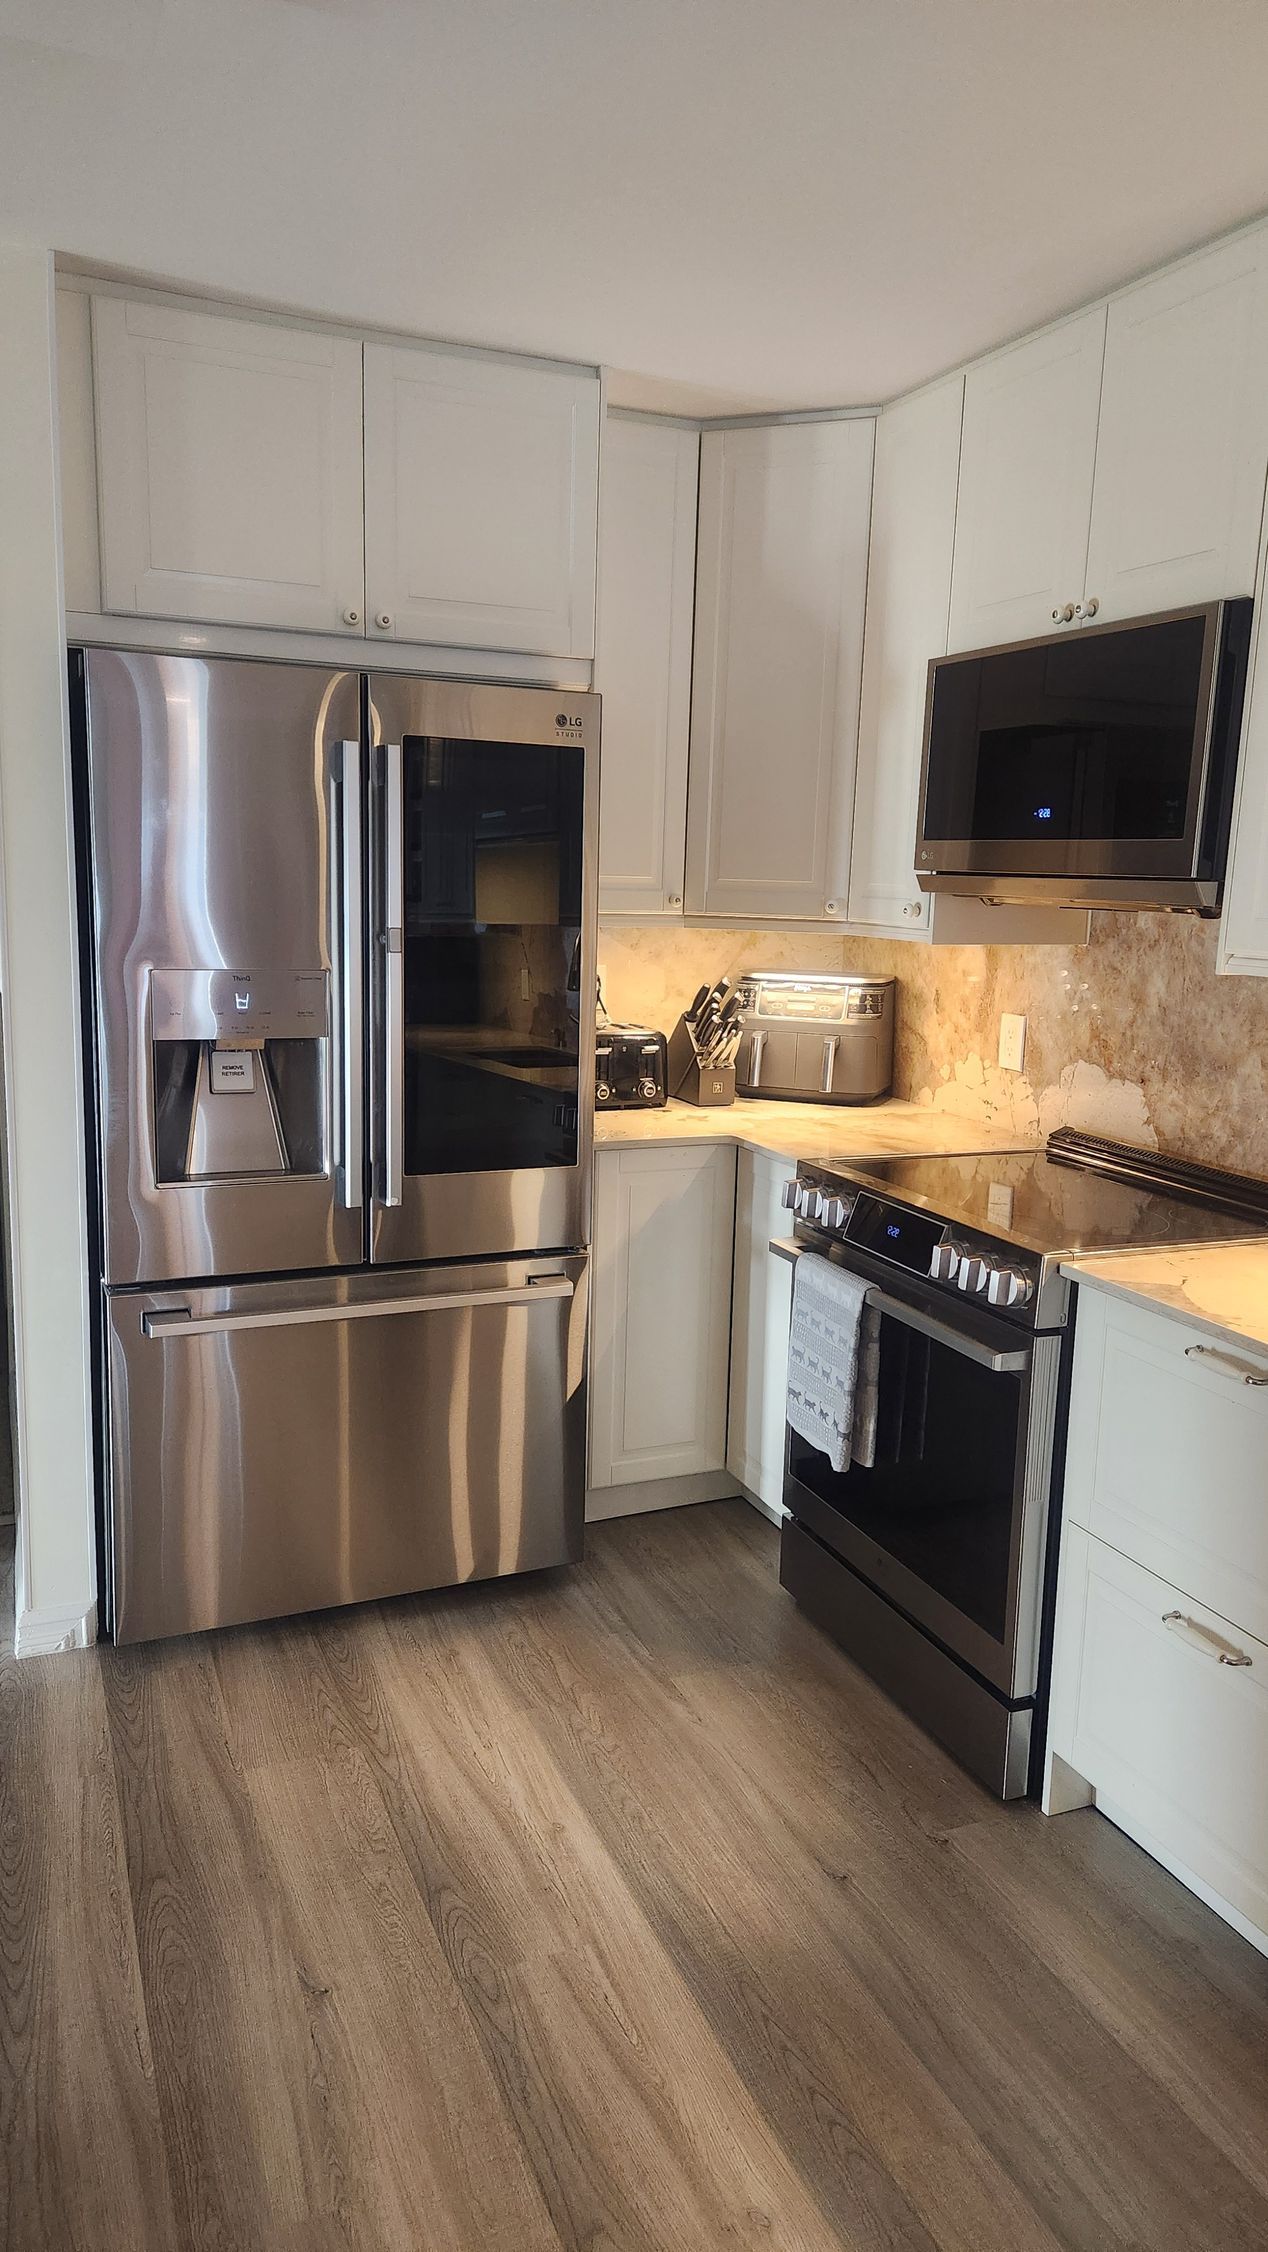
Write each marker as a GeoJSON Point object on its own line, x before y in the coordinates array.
{"type": "Point", "coordinates": [1012, 1043]}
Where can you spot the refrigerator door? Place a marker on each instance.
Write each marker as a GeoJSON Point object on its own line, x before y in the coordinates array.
{"type": "Point", "coordinates": [280, 1447]}
{"type": "Point", "coordinates": [485, 811]}
{"type": "Point", "coordinates": [225, 818]}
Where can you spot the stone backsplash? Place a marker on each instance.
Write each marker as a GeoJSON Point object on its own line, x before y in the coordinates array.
{"type": "Point", "coordinates": [1132, 1035]}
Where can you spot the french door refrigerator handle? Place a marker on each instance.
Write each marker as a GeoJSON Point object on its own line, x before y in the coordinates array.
{"type": "Point", "coordinates": [393, 943]}
{"type": "Point", "coordinates": [351, 978]}
{"type": "Point", "coordinates": [178, 1321]}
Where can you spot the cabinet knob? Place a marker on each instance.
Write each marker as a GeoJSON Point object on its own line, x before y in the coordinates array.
{"type": "Point", "coordinates": [829, 907]}
{"type": "Point", "coordinates": [1087, 609]}
{"type": "Point", "coordinates": [675, 899]}
{"type": "Point", "coordinates": [352, 617]}
{"type": "Point", "coordinates": [1063, 614]}
{"type": "Point", "coordinates": [912, 910]}
{"type": "Point", "coordinates": [383, 620]}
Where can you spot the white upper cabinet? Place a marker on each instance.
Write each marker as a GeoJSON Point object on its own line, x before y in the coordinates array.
{"type": "Point", "coordinates": [1026, 467]}
{"type": "Point", "coordinates": [782, 575]}
{"type": "Point", "coordinates": [481, 488]}
{"type": "Point", "coordinates": [908, 593]}
{"type": "Point", "coordinates": [228, 468]}
{"type": "Point", "coordinates": [1183, 443]}
{"type": "Point", "coordinates": [647, 560]}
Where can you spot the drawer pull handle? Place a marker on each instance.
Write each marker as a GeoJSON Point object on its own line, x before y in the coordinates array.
{"type": "Point", "coordinates": [1202, 1638]}
{"type": "Point", "coordinates": [1244, 1372]}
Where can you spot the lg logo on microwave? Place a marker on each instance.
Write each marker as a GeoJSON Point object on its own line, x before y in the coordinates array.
{"type": "Point", "coordinates": [566, 726]}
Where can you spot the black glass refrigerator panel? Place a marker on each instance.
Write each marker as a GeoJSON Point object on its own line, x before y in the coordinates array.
{"type": "Point", "coordinates": [493, 855]}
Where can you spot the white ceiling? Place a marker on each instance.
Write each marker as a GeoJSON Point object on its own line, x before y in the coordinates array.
{"type": "Point", "coordinates": [734, 203]}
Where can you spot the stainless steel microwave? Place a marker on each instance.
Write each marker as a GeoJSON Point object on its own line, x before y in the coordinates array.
{"type": "Point", "coordinates": [1090, 768]}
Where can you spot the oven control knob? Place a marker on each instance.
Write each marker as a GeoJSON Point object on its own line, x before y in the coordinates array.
{"type": "Point", "coordinates": [945, 1261]}
{"type": "Point", "coordinates": [1008, 1286]}
{"type": "Point", "coordinates": [833, 1211]}
{"type": "Point", "coordinates": [805, 1202]}
{"type": "Point", "coordinates": [972, 1272]}
{"type": "Point", "coordinates": [788, 1196]}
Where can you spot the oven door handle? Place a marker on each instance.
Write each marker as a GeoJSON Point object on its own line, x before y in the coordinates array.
{"type": "Point", "coordinates": [929, 1325]}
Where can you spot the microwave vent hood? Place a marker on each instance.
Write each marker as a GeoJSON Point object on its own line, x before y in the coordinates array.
{"type": "Point", "coordinates": [1091, 768]}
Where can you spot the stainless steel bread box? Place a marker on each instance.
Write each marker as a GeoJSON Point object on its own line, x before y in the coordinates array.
{"type": "Point", "coordinates": [816, 1039]}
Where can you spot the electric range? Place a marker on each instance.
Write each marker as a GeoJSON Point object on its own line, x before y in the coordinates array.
{"type": "Point", "coordinates": [934, 1562]}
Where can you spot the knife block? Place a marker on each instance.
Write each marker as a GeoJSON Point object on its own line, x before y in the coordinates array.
{"type": "Point", "coordinates": [691, 1079]}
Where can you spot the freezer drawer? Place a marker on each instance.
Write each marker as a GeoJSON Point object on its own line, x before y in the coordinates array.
{"type": "Point", "coordinates": [279, 1447]}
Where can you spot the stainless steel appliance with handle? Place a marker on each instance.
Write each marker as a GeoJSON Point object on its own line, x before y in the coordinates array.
{"type": "Point", "coordinates": [934, 1562]}
{"type": "Point", "coordinates": [338, 932]}
{"type": "Point", "coordinates": [815, 1039]}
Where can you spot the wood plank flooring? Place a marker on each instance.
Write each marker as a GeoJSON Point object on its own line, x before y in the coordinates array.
{"type": "Point", "coordinates": [612, 1911]}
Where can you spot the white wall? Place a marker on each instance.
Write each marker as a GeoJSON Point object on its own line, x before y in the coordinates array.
{"type": "Point", "coordinates": [38, 980]}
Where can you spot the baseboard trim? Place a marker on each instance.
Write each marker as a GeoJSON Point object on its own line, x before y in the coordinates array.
{"type": "Point", "coordinates": [635, 1500]}
{"type": "Point", "coordinates": [48, 1634]}
{"type": "Point", "coordinates": [774, 1510]}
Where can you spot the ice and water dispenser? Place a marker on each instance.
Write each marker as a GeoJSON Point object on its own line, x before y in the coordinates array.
{"type": "Point", "coordinates": [239, 1063]}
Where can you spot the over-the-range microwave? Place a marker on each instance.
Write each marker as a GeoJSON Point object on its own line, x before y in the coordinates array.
{"type": "Point", "coordinates": [1093, 767]}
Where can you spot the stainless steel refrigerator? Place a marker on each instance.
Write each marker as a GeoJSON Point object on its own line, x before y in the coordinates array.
{"type": "Point", "coordinates": [340, 935]}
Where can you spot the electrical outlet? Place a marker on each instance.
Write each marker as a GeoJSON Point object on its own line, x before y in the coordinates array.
{"type": "Point", "coordinates": [1012, 1043]}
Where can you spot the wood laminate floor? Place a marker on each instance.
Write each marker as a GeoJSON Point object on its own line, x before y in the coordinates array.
{"type": "Point", "coordinates": [608, 1910]}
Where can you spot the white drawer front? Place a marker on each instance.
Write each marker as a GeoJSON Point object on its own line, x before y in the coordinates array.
{"type": "Point", "coordinates": [1162, 1729]}
{"type": "Point", "coordinates": [1168, 1457]}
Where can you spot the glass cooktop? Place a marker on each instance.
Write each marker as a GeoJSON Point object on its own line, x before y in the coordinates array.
{"type": "Point", "coordinates": [1057, 1210]}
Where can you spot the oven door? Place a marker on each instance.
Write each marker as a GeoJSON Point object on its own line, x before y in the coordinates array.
{"type": "Point", "coordinates": [949, 1523]}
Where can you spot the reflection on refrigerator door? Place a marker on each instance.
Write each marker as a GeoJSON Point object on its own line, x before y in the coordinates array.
{"type": "Point", "coordinates": [286, 1446]}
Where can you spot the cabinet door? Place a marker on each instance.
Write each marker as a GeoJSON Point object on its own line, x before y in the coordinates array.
{"type": "Point", "coordinates": [481, 501]}
{"type": "Point", "coordinates": [908, 595]}
{"type": "Point", "coordinates": [647, 564]}
{"type": "Point", "coordinates": [761, 1310]}
{"type": "Point", "coordinates": [228, 467]}
{"type": "Point", "coordinates": [663, 1225]}
{"type": "Point", "coordinates": [1182, 449]}
{"type": "Point", "coordinates": [1025, 501]}
{"type": "Point", "coordinates": [782, 577]}
{"type": "Point", "coordinates": [1162, 1706]}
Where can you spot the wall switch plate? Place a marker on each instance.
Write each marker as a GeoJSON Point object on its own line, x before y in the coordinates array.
{"type": "Point", "coordinates": [1012, 1043]}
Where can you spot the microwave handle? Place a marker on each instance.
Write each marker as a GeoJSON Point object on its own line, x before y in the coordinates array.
{"type": "Point", "coordinates": [913, 1317]}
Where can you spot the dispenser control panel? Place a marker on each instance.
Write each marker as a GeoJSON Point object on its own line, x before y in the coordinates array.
{"type": "Point", "coordinates": [233, 1007]}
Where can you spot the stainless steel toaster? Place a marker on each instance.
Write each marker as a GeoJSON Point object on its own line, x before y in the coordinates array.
{"type": "Point", "coordinates": [816, 1039]}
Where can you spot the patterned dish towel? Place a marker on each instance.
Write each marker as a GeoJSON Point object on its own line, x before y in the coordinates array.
{"type": "Point", "coordinates": [833, 1362]}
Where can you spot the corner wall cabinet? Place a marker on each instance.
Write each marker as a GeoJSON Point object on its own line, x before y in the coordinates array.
{"type": "Point", "coordinates": [1160, 1664]}
{"type": "Point", "coordinates": [781, 583]}
{"type": "Point", "coordinates": [647, 563]}
{"type": "Point", "coordinates": [257, 473]}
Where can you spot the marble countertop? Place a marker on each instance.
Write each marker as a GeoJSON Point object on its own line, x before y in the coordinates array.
{"type": "Point", "coordinates": [1222, 1287]}
{"type": "Point", "coordinates": [824, 1133]}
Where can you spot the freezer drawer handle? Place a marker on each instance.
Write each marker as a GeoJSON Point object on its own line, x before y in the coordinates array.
{"type": "Point", "coordinates": [179, 1321]}
{"type": "Point", "coordinates": [942, 1332]}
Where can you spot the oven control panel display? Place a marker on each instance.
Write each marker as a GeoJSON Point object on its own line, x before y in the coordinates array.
{"type": "Point", "coordinates": [908, 1238]}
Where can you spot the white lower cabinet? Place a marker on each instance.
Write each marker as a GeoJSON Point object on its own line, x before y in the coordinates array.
{"type": "Point", "coordinates": [1160, 1669]}
{"type": "Point", "coordinates": [761, 1309]}
{"type": "Point", "coordinates": [660, 1328]}
{"type": "Point", "coordinates": [1163, 1706]}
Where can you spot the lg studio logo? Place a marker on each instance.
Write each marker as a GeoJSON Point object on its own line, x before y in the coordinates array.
{"type": "Point", "coordinates": [566, 726]}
